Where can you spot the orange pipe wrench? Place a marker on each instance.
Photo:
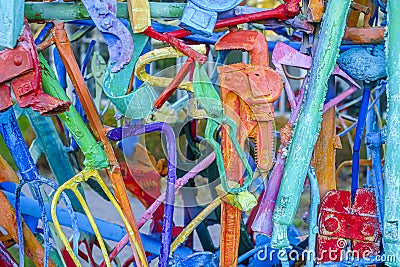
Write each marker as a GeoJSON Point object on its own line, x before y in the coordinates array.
{"type": "Point", "coordinates": [248, 92]}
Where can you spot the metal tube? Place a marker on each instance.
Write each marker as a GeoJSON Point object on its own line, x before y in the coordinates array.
{"type": "Point", "coordinates": [392, 166]}
{"type": "Point", "coordinates": [40, 11]}
{"type": "Point", "coordinates": [358, 138]}
{"type": "Point", "coordinates": [306, 130]}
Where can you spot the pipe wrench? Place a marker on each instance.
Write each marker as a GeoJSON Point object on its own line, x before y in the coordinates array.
{"type": "Point", "coordinates": [249, 91]}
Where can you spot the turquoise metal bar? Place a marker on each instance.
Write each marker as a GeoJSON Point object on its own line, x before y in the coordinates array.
{"type": "Point", "coordinates": [392, 166]}
{"type": "Point", "coordinates": [308, 124]}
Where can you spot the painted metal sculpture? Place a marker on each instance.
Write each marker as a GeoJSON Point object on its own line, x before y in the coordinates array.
{"type": "Point", "coordinates": [248, 92]}
{"type": "Point", "coordinates": [58, 36]}
{"type": "Point", "coordinates": [118, 134]}
{"type": "Point", "coordinates": [116, 35]}
{"type": "Point", "coordinates": [29, 175]}
{"type": "Point", "coordinates": [227, 126]}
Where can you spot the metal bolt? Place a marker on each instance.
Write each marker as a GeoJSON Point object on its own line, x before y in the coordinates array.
{"type": "Point", "coordinates": [18, 60]}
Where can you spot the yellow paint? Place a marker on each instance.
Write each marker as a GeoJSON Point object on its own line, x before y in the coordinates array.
{"type": "Point", "coordinates": [72, 184]}
{"type": "Point", "coordinates": [194, 223]}
{"type": "Point", "coordinates": [158, 54]}
{"type": "Point", "coordinates": [139, 15]}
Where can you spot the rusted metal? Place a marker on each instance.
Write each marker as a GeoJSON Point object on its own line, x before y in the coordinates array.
{"type": "Point", "coordinates": [59, 37]}
{"type": "Point", "coordinates": [341, 223]}
{"type": "Point", "coordinates": [20, 70]}
{"type": "Point", "coordinates": [360, 6]}
{"type": "Point", "coordinates": [373, 35]}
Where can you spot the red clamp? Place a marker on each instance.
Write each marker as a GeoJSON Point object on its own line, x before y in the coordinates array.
{"type": "Point", "coordinates": [20, 70]}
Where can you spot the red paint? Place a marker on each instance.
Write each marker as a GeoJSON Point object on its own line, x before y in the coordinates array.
{"type": "Point", "coordinates": [20, 70]}
{"type": "Point", "coordinates": [340, 223]}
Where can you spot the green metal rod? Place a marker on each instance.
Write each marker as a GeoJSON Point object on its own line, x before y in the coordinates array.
{"type": "Point", "coordinates": [392, 168]}
{"type": "Point", "coordinates": [95, 156]}
{"type": "Point", "coordinates": [39, 11]}
{"type": "Point", "coordinates": [310, 117]}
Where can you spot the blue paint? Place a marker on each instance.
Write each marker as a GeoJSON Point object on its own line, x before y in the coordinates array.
{"type": "Point", "coordinates": [43, 33]}
{"type": "Point", "coordinates": [87, 57]}
{"type": "Point", "coordinates": [382, 89]}
{"type": "Point", "coordinates": [206, 259]}
{"type": "Point", "coordinates": [13, 138]}
{"type": "Point", "coordinates": [358, 138]}
{"type": "Point", "coordinates": [364, 63]}
{"type": "Point", "coordinates": [265, 256]}
{"type": "Point", "coordinates": [374, 141]}
{"type": "Point", "coordinates": [200, 16]}
{"type": "Point", "coordinates": [109, 231]}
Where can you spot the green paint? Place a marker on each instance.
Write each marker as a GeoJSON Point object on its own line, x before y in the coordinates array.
{"type": "Point", "coordinates": [210, 101]}
{"type": "Point", "coordinates": [95, 156]}
{"type": "Point", "coordinates": [49, 142]}
{"type": "Point", "coordinates": [392, 167]}
{"type": "Point", "coordinates": [310, 117]}
{"type": "Point", "coordinates": [36, 11]}
{"type": "Point", "coordinates": [139, 103]}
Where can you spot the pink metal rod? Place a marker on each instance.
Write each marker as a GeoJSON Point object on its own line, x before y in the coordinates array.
{"type": "Point", "coordinates": [339, 98]}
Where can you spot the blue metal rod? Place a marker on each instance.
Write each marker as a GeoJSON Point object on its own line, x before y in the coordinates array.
{"type": "Point", "coordinates": [358, 138]}
{"type": "Point", "coordinates": [383, 89]}
{"type": "Point", "coordinates": [374, 141]}
{"type": "Point", "coordinates": [87, 56]}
